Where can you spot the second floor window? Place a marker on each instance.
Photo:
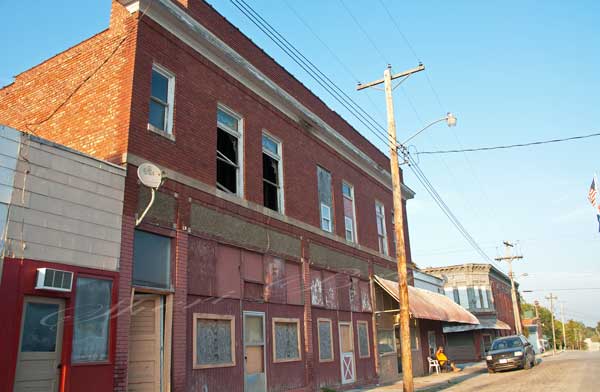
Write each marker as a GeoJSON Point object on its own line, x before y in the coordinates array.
{"type": "Point", "coordinates": [349, 220]}
{"type": "Point", "coordinates": [272, 174]}
{"type": "Point", "coordinates": [381, 231]}
{"type": "Point", "coordinates": [161, 100]}
{"type": "Point", "coordinates": [325, 199]}
{"type": "Point", "coordinates": [229, 142]}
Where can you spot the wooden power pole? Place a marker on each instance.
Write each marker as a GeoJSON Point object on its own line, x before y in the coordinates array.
{"type": "Point", "coordinates": [513, 292]}
{"type": "Point", "coordinates": [552, 298]}
{"type": "Point", "coordinates": [562, 318]}
{"type": "Point", "coordinates": [407, 374]}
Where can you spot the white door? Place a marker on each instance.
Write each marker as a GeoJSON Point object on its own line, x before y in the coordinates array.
{"type": "Point", "coordinates": [347, 353]}
{"type": "Point", "coordinates": [145, 344]}
{"type": "Point", "coordinates": [255, 375]}
{"type": "Point", "coordinates": [38, 363]}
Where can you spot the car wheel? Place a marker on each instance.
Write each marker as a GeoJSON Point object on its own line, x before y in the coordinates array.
{"type": "Point", "coordinates": [491, 371]}
{"type": "Point", "coordinates": [527, 364]}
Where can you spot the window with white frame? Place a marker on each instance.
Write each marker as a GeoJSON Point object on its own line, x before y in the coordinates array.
{"type": "Point", "coordinates": [213, 340]}
{"type": "Point", "coordinates": [349, 212]}
{"type": "Point", "coordinates": [325, 199]}
{"type": "Point", "coordinates": [272, 173]}
{"type": "Point", "coordinates": [229, 151]}
{"type": "Point", "coordinates": [162, 99]}
{"type": "Point", "coordinates": [381, 230]}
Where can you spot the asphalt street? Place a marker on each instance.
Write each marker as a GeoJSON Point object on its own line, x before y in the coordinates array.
{"type": "Point", "coordinates": [569, 371]}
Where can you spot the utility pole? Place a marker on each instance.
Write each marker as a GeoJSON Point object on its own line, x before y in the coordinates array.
{"type": "Point", "coordinates": [509, 259]}
{"type": "Point", "coordinates": [562, 318]}
{"type": "Point", "coordinates": [407, 373]}
{"type": "Point", "coordinates": [552, 298]}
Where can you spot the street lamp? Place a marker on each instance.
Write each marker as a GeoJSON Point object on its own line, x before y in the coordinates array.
{"type": "Point", "coordinates": [450, 121]}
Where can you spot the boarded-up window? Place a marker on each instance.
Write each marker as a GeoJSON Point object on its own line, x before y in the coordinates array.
{"type": "Point", "coordinates": [385, 341]}
{"type": "Point", "coordinates": [346, 340]}
{"type": "Point", "coordinates": [325, 340]}
{"type": "Point", "coordinates": [286, 340]}
{"type": "Point", "coordinates": [364, 351]}
{"type": "Point", "coordinates": [316, 288]}
{"type": "Point", "coordinates": [213, 340]}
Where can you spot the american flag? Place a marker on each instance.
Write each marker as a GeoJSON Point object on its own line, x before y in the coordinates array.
{"type": "Point", "coordinates": [592, 193]}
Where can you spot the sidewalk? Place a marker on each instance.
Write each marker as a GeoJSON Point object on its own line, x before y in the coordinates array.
{"type": "Point", "coordinates": [434, 381]}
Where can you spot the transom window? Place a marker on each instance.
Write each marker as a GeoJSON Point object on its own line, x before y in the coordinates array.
{"type": "Point", "coordinates": [349, 213]}
{"type": "Point", "coordinates": [162, 98]}
{"type": "Point", "coordinates": [381, 231]}
{"type": "Point", "coordinates": [229, 152]}
{"type": "Point", "coordinates": [151, 260]}
{"type": "Point", "coordinates": [272, 174]}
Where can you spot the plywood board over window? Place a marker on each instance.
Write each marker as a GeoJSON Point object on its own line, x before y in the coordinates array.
{"type": "Point", "coordinates": [213, 340]}
{"type": "Point", "coordinates": [286, 340]}
{"type": "Point", "coordinates": [325, 338]}
{"type": "Point", "coordinates": [364, 349]}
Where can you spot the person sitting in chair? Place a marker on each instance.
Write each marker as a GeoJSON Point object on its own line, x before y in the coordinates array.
{"type": "Point", "coordinates": [445, 363]}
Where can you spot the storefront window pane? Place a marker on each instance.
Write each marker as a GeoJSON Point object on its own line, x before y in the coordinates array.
{"type": "Point", "coordinates": [92, 320]}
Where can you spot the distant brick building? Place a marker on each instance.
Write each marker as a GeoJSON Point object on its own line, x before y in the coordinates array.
{"type": "Point", "coordinates": [484, 291]}
{"type": "Point", "coordinates": [252, 269]}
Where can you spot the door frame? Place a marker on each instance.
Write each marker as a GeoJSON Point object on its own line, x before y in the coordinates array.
{"type": "Point", "coordinates": [349, 324]}
{"type": "Point", "coordinates": [264, 324]}
{"type": "Point", "coordinates": [59, 333]}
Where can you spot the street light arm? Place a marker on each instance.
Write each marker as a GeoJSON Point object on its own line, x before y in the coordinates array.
{"type": "Point", "coordinates": [450, 119]}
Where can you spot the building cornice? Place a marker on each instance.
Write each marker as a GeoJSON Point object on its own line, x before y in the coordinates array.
{"type": "Point", "coordinates": [175, 20]}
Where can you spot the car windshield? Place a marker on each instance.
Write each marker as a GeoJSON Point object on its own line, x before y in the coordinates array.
{"type": "Point", "coordinates": [507, 343]}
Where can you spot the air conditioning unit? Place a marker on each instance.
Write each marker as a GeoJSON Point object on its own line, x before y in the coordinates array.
{"type": "Point", "coordinates": [53, 279]}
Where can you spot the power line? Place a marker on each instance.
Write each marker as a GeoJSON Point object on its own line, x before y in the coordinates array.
{"type": "Point", "coordinates": [357, 111]}
{"type": "Point", "coordinates": [510, 145]}
{"type": "Point", "coordinates": [364, 32]}
{"type": "Point", "coordinates": [570, 289]}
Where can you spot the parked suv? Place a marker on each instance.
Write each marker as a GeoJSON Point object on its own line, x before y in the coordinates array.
{"type": "Point", "coordinates": [510, 352]}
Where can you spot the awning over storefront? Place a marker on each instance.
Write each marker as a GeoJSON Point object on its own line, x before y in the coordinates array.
{"type": "Point", "coordinates": [483, 324]}
{"type": "Point", "coordinates": [428, 305]}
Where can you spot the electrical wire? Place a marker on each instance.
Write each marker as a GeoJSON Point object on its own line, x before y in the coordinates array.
{"type": "Point", "coordinates": [536, 143]}
{"type": "Point", "coordinates": [355, 109]}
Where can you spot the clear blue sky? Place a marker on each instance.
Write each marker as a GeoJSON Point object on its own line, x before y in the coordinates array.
{"type": "Point", "coordinates": [513, 71]}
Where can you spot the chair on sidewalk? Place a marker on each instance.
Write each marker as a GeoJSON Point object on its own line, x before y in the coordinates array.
{"type": "Point", "coordinates": [433, 364]}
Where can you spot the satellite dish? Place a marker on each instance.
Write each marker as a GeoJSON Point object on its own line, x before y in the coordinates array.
{"type": "Point", "coordinates": [150, 175]}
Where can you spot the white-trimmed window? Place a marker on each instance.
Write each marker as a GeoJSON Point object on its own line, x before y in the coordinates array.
{"type": "Point", "coordinates": [349, 212]}
{"type": "Point", "coordinates": [286, 340]}
{"type": "Point", "coordinates": [364, 349]}
{"type": "Point", "coordinates": [162, 100]}
{"type": "Point", "coordinates": [229, 151]}
{"type": "Point", "coordinates": [325, 338]}
{"type": "Point", "coordinates": [213, 340]}
{"type": "Point", "coordinates": [381, 230]}
{"type": "Point", "coordinates": [272, 173]}
{"type": "Point", "coordinates": [325, 199]}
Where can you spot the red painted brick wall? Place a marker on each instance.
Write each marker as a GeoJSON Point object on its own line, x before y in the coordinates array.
{"type": "Point", "coordinates": [81, 97]}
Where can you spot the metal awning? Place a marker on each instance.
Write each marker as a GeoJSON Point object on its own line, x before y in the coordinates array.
{"type": "Point", "coordinates": [483, 324]}
{"type": "Point", "coordinates": [428, 305]}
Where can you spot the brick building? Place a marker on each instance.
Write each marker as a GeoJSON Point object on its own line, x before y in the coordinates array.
{"type": "Point", "coordinates": [484, 291]}
{"type": "Point", "coordinates": [252, 270]}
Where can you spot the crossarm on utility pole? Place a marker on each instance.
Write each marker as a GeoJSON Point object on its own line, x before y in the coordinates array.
{"type": "Point", "coordinates": [420, 68]}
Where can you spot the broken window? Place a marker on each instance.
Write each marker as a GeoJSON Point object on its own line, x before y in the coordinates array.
{"type": "Point", "coordinates": [325, 340]}
{"type": "Point", "coordinates": [325, 199]}
{"type": "Point", "coordinates": [151, 260]}
{"type": "Point", "coordinates": [381, 230]}
{"type": "Point", "coordinates": [349, 220]}
{"type": "Point", "coordinates": [286, 339]}
{"type": "Point", "coordinates": [364, 351]}
{"type": "Point", "coordinates": [214, 344]}
{"type": "Point", "coordinates": [272, 174]}
{"type": "Point", "coordinates": [161, 100]}
{"type": "Point", "coordinates": [228, 152]}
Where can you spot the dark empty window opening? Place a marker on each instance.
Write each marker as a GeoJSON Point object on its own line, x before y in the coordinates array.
{"type": "Point", "coordinates": [227, 152]}
{"type": "Point", "coordinates": [271, 174]}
